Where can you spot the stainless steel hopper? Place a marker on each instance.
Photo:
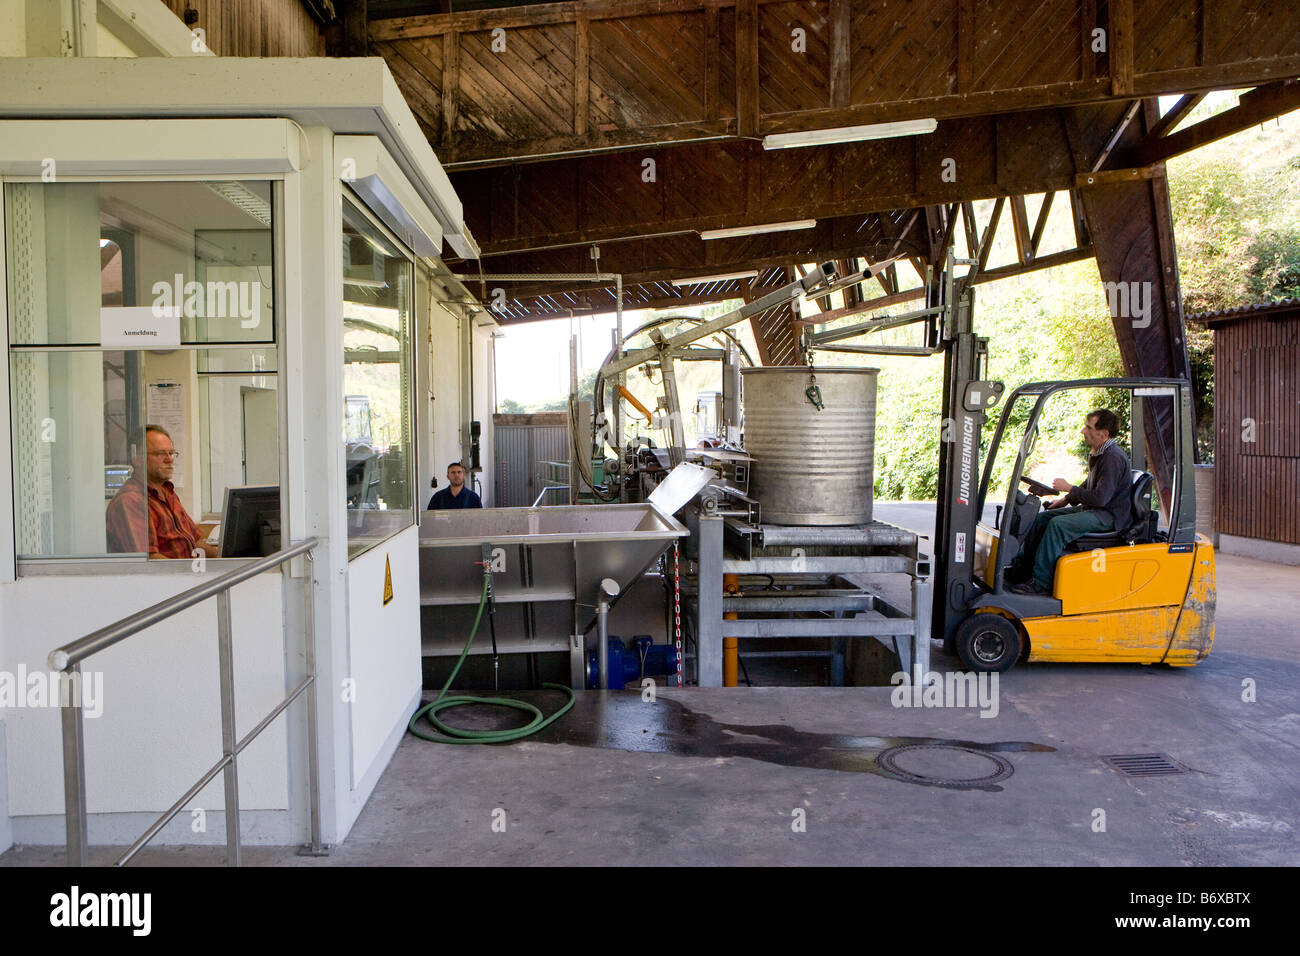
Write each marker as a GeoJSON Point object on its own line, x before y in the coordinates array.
{"type": "Point", "coordinates": [547, 567]}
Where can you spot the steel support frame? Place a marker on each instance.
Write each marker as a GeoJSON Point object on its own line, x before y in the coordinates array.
{"type": "Point", "coordinates": [906, 631]}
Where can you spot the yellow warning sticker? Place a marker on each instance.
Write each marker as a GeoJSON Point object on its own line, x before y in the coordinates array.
{"type": "Point", "coordinates": [388, 581]}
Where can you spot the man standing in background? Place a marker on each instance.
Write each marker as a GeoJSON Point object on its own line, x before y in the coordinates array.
{"type": "Point", "coordinates": [456, 495]}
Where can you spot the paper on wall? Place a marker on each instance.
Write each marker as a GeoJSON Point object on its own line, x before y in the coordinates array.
{"type": "Point", "coordinates": [165, 406]}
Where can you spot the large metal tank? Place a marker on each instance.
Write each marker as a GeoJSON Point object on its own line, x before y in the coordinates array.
{"type": "Point", "coordinates": [811, 467]}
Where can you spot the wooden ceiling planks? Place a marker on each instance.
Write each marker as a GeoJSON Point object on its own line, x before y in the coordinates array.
{"type": "Point", "coordinates": [903, 51]}
{"type": "Point", "coordinates": [798, 64]}
{"type": "Point", "coordinates": [716, 185]}
{"type": "Point", "coordinates": [1171, 35]}
{"type": "Point", "coordinates": [648, 70]}
{"type": "Point", "coordinates": [253, 27]}
{"type": "Point", "coordinates": [668, 70]}
{"type": "Point", "coordinates": [1241, 29]}
{"type": "Point", "coordinates": [1023, 43]}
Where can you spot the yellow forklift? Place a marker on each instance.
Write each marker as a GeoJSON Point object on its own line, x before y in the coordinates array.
{"type": "Point", "coordinates": [1143, 593]}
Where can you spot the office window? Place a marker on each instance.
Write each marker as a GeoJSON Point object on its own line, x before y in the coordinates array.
{"type": "Point", "coordinates": [135, 304]}
{"type": "Point", "coordinates": [377, 434]}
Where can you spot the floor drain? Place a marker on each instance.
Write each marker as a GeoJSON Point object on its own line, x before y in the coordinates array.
{"type": "Point", "coordinates": [1144, 765]}
{"type": "Point", "coordinates": [943, 765]}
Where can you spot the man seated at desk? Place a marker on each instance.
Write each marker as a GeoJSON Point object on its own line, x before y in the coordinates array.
{"type": "Point", "coordinates": [169, 531]}
{"type": "Point", "coordinates": [457, 495]}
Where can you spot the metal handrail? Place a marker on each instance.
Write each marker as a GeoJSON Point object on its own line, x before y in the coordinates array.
{"type": "Point", "coordinates": [67, 660]}
{"type": "Point", "coordinates": [547, 490]}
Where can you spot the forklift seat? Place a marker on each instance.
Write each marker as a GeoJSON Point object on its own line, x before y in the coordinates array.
{"type": "Point", "coordinates": [1141, 527]}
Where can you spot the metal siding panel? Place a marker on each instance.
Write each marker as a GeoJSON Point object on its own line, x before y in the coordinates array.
{"type": "Point", "coordinates": [518, 449]}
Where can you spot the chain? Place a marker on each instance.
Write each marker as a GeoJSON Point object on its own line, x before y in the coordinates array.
{"type": "Point", "coordinates": [677, 612]}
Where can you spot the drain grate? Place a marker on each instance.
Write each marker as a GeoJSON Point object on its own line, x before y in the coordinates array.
{"type": "Point", "coordinates": [1144, 765]}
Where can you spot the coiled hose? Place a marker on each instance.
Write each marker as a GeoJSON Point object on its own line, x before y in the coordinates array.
{"type": "Point", "coordinates": [457, 735]}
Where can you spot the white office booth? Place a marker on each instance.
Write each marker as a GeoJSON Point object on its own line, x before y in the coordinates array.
{"type": "Point", "coordinates": [244, 254]}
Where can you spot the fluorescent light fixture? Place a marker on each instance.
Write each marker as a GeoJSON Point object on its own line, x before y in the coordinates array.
{"type": "Point", "coordinates": [849, 134]}
{"type": "Point", "coordinates": [365, 283]}
{"type": "Point", "coordinates": [700, 280]}
{"type": "Point", "coordinates": [757, 230]}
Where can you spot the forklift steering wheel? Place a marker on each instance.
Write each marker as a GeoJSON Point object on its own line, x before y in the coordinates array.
{"type": "Point", "coordinates": [1038, 488]}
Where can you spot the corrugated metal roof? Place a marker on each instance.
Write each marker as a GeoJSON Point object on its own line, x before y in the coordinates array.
{"type": "Point", "coordinates": [1282, 306]}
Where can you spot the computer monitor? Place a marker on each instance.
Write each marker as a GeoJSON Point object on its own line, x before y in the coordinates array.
{"type": "Point", "coordinates": [115, 476]}
{"type": "Point", "coordinates": [251, 516]}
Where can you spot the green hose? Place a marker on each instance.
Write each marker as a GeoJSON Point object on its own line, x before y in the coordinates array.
{"type": "Point", "coordinates": [456, 735]}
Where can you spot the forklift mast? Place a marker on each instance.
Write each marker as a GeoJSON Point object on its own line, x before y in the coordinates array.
{"type": "Point", "coordinates": [967, 397]}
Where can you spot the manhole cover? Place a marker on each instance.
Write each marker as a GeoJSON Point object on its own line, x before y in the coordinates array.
{"type": "Point", "coordinates": [1144, 765]}
{"type": "Point", "coordinates": [944, 765]}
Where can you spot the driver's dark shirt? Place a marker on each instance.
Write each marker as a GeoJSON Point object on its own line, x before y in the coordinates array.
{"type": "Point", "coordinates": [1108, 485]}
{"type": "Point", "coordinates": [445, 501]}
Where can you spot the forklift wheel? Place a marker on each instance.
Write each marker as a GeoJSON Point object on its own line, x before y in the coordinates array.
{"type": "Point", "coordinates": [988, 642]}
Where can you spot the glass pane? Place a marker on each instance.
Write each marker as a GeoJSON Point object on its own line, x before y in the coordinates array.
{"type": "Point", "coordinates": [86, 471]}
{"type": "Point", "coordinates": [239, 438]}
{"type": "Point", "coordinates": [74, 250]}
{"type": "Point", "coordinates": [230, 361]}
{"type": "Point", "coordinates": [376, 383]}
{"type": "Point", "coordinates": [77, 441]}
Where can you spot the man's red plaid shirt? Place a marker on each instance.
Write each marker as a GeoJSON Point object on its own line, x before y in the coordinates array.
{"type": "Point", "coordinates": [169, 531]}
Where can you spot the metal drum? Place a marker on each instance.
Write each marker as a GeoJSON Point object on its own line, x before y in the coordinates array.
{"type": "Point", "coordinates": [811, 467]}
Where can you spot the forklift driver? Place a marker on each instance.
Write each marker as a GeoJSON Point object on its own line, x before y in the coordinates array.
{"type": "Point", "coordinates": [1099, 505]}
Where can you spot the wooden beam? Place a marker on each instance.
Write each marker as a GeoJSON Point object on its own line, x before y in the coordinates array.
{"type": "Point", "coordinates": [972, 228]}
{"type": "Point", "coordinates": [1020, 228]}
{"type": "Point", "coordinates": [1082, 237]}
{"type": "Point", "coordinates": [1175, 115]}
{"type": "Point", "coordinates": [1115, 134]}
{"type": "Point", "coordinates": [1087, 23]}
{"type": "Point", "coordinates": [1120, 45]}
{"type": "Point", "coordinates": [1042, 262]}
{"type": "Point", "coordinates": [949, 235]}
{"type": "Point", "coordinates": [712, 66]}
{"type": "Point", "coordinates": [746, 197]}
{"type": "Point", "coordinates": [532, 15]}
{"type": "Point", "coordinates": [1260, 104]}
{"type": "Point", "coordinates": [841, 26]}
{"type": "Point", "coordinates": [990, 230]}
{"type": "Point", "coordinates": [581, 74]}
{"type": "Point", "coordinates": [965, 45]}
{"type": "Point", "coordinates": [747, 109]}
{"type": "Point", "coordinates": [1108, 177]}
{"type": "Point", "coordinates": [356, 37]}
{"type": "Point", "coordinates": [450, 85]}
{"type": "Point", "coordinates": [1040, 224]}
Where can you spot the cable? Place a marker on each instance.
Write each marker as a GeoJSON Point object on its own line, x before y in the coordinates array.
{"type": "Point", "coordinates": [457, 735]}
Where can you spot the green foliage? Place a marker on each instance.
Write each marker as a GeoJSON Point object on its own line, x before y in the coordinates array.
{"type": "Point", "coordinates": [1051, 326]}
{"type": "Point", "coordinates": [1236, 208]}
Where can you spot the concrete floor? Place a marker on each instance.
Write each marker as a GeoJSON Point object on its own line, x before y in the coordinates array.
{"type": "Point", "coordinates": [714, 776]}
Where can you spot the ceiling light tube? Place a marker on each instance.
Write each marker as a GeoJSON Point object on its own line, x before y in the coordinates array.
{"type": "Point", "coordinates": [757, 230]}
{"type": "Point", "coordinates": [700, 280]}
{"type": "Point", "coordinates": [848, 134]}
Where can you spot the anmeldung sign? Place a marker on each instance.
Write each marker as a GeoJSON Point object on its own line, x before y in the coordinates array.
{"type": "Point", "coordinates": [139, 327]}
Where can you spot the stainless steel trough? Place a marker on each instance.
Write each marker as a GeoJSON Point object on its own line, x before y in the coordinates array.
{"type": "Point", "coordinates": [547, 565]}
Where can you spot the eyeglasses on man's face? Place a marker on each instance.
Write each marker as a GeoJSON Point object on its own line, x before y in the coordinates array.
{"type": "Point", "coordinates": [165, 454]}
